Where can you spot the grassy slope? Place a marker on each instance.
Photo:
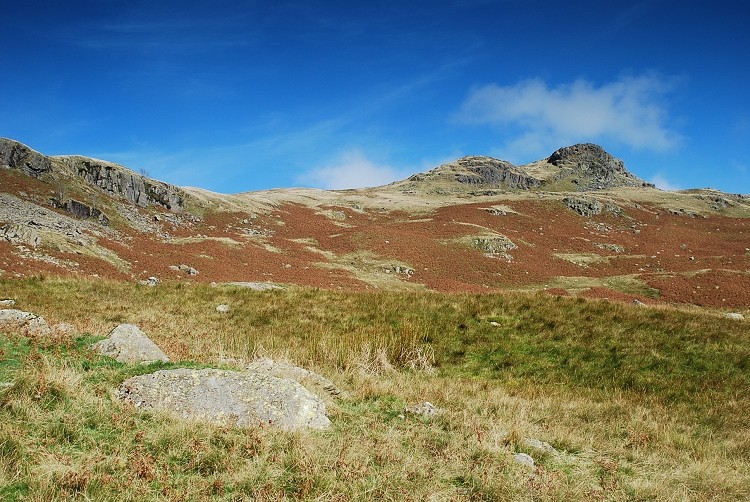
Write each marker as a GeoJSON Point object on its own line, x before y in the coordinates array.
{"type": "Point", "coordinates": [642, 404]}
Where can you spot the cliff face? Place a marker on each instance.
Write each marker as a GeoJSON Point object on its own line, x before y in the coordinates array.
{"type": "Point", "coordinates": [120, 181]}
{"type": "Point", "coordinates": [113, 179]}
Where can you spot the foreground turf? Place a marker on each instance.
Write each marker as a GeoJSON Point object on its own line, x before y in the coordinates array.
{"type": "Point", "coordinates": [639, 403]}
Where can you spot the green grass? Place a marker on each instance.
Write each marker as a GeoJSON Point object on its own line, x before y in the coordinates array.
{"type": "Point", "coordinates": [641, 404]}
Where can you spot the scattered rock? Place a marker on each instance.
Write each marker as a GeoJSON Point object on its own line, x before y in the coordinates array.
{"type": "Point", "coordinates": [540, 445]}
{"type": "Point", "coordinates": [21, 234]}
{"type": "Point", "coordinates": [242, 399]}
{"type": "Point", "coordinates": [588, 207]}
{"type": "Point", "coordinates": [128, 344]}
{"type": "Point", "coordinates": [151, 282]}
{"type": "Point", "coordinates": [494, 246]}
{"type": "Point", "coordinates": [615, 248]}
{"type": "Point", "coordinates": [498, 210]}
{"type": "Point", "coordinates": [257, 286]}
{"type": "Point", "coordinates": [223, 308]}
{"type": "Point", "coordinates": [425, 409]}
{"type": "Point", "coordinates": [683, 212]}
{"type": "Point", "coordinates": [7, 303]}
{"type": "Point", "coordinates": [184, 268]}
{"type": "Point", "coordinates": [30, 324]}
{"type": "Point", "coordinates": [638, 303]}
{"type": "Point", "coordinates": [735, 316]}
{"type": "Point", "coordinates": [399, 269]}
{"type": "Point", "coordinates": [312, 381]}
{"type": "Point", "coordinates": [524, 459]}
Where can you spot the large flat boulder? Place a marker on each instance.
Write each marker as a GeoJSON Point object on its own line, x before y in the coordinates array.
{"type": "Point", "coordinates": [128, 344]}
{"type": "Point", "coordinates": [222, 397]}
{"type": "Point", "coordinates": [316, 383]}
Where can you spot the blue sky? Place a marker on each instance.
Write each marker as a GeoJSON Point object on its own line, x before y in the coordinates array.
{"type": "Point", "coordinates": [235, 96]}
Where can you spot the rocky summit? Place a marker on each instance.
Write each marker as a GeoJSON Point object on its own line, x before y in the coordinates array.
{"type": "Point", "coordinates": [576, 222]}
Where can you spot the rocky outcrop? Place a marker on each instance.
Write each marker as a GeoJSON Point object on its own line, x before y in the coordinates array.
{"type": "Point", "coordinates": [494, 246]}
{"type": "Point", "coordinates": [122, 182]}
{"type": "Point", "coordinates": [21, 234]}
{"type": "Point", "coordinates": [222, 397]}
{"type": "Point", "coordinates": [111, 178]}
{"type": "Point", "coordinates": [187, 269]}
{"type": "Point", "coordinates": [489, 171]}
{"type": "Point", "coordinates": [15, 155]}
{"type": "Point", "coordinates": [80, 210]}
{"type": "Point", "coordinates": [128, 344]}
{"type": "Point", "coordinates": [591, 168]}
{"type": "Point", "coordinates": [590, 207]}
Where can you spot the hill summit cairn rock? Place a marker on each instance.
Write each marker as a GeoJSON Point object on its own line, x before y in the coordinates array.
{"type": "Point", "coordinates": [223, 397]}
{"type": "Point", "coordinates": [128, 344]}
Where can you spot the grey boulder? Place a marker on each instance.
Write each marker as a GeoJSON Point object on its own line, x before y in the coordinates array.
{"type": "Point", "coordinates": [222, 397]}
{"type": "Point", "coordinates": [31, 324]}
{"type": "Point", "coordinates": [128, 344]}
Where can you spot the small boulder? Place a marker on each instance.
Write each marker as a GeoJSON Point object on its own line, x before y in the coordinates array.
{"type": "Point", "coordinates": [187, 269]}
{"type": "Point", "coordinates": [426, 409]}
{"type": "Point", "coordinates": [242, 399]}
{"type": "Point", "coordinates": [524, 459]}
{"type": "Point", "coordinates": [735, 316]}
{"type": "Point", "coordinates": [30, 324]}
{"type": "Point", "coordinates": [223, 308]}
{"type": "Point", "coordinates": [540, 445]}
{"type": "Point", "coordinates": [7, 303]}
{"type": "Point", "coordinates": [128, 344]}
{"type": "Point", "coordinates": [150, 282]}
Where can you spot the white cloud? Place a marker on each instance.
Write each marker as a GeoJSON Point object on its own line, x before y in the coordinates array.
{"type": "Point", "coordinates": [540, 117]}
{"type": "Point", "coordinates": [351, 170]}
{"type": "Point", "coordinates": [661, 182]}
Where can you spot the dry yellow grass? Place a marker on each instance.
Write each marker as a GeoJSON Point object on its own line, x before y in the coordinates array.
{"type": "Point", "coordinates": [639, 404]}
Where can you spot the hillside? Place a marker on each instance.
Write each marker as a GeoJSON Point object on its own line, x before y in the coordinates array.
{"type": "Point", "coordinates": [577, 222]}
{"type": "Point", "coordinates": [610, 361]}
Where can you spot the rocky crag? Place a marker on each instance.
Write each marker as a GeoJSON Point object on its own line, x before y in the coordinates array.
{"type": "Point", "coordinates": [112, 179]}
{"type": "Point", "coordinates": [582, 167]}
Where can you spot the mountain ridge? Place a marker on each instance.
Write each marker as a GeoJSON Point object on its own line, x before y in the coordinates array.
{"type": "Point", "coordinates": [576, 222]}
{"type": "Point", "coordinates": [575, 161]}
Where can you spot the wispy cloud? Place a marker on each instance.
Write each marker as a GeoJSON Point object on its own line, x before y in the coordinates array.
{"type": "Point", "coordinates": [663, 183]}
{"type": "Point", "coordinates": [351, 170]}
{"type": "Point", "coordinates": [537, 116]}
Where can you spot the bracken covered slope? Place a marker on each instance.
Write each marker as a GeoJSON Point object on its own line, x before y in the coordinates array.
{"type": "Point", "coordinates": [577, 222]}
